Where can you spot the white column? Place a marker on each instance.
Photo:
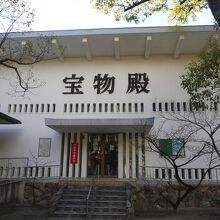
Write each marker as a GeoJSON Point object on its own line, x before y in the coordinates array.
{"type": "Point", "coordinates": [133, 156]}
{"type": "Point", "coordinates": [70, 164]}
{"type": "Point", "coordinates": [145, 157]}
{"type": "Point", "coordinates": [65, 159]}
{"type": "Point", "coordinates": [77, 165]}
{"type": "Point", "coordinates": [16, 171]}
{"type": "Point", "coordinates": [140, 162]}
{"type": "Point", "coordinates": [127, 159]}
{"type": "Point", "coordinates": [84, 156]}
{"type": "Point", "coordinates": [120, 155]}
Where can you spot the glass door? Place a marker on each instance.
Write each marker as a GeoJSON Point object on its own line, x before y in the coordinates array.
{"type": "Point", "coordinates": [103, 155]}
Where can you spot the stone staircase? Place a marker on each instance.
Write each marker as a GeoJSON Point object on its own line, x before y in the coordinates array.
{"type": "Point", "coordinates": [104, 201]}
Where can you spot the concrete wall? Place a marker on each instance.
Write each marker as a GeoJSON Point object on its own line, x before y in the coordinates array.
{"type": "Point", "coordinates": [11, 191]}
{"type": "Point", "coordinates": [23, 140]}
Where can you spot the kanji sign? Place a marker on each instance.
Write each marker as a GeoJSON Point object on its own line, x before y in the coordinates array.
{"type": "Point", "coordinates": [74, 84]}
{"type": "Point", "coordinates": [74, 153]}
{"type": "Point", "coordinates": [137, 82]}
{"type": "Point", "coordinates": [105, 83]}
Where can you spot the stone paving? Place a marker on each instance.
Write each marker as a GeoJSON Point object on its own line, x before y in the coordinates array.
{"type": "Point", "coordinates": [39, 213]}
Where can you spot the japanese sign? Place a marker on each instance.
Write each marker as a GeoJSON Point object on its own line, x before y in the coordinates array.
{"type": "Point", "coordinates": [104, 83]}
{"type": "Point", "coordinates": [74, 153]}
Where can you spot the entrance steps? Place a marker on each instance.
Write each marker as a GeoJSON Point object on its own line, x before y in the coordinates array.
{"type": "Point", "coordinates": [105, 201]}
{"type": "Point", "coordinates": [97, 181]}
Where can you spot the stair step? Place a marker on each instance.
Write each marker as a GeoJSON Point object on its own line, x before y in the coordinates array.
{"type": "Point", "coordinates": [72, 200]}
{"type": "Point", "coordinates": [70, 206]}
{"type": "Point", "coordinates": [107, 201]}
{"type": "Point", "coordinates": [70, 213]}
{"type": "Point", "coordinates": [90, 207]}
{"type": "Point", "coordinates": [93, 214]}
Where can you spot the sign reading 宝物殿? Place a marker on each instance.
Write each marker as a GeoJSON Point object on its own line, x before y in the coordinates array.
{"type": "Point", "coordinates": [137, 82]}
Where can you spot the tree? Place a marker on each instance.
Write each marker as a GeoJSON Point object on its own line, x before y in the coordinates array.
{"type": "Point", "coordinates": [202, 80]}
{"type": "Point", "coordinates": [181, 140]}
{"type": "Point", "coordinates": [139, 10]}
{"type": "Point", "coordinates": [17, 15]}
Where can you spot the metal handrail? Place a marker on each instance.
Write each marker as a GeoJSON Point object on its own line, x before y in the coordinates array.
{"type": "Point", "coordinates": [88, 197]}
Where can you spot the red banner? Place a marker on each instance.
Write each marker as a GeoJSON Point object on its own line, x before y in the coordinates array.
{"type": "Point", "coordinates": [74, 153]}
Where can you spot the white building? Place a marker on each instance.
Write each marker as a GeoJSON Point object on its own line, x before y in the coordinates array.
{"type": "Point", "coordinates": [104, 84]}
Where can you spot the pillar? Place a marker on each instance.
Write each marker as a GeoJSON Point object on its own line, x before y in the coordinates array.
{"type": "Point", "coordinates": [133, 156]}
{"type": "Point", "coordinates": [120, 155]}
{"type": "Point", "coordinates": [77, 165]}
{"type": "Point", "coordinates": [127, 159]}
{"type": "Point", "coordinates": [84, 163]}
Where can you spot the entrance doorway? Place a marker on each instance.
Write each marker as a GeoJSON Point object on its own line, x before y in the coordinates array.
{"type": "Point", "coordinates": [103, 155]}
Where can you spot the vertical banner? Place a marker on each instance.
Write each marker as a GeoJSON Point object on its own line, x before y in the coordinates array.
{"type": "Point", "coordinates": [74, 153]}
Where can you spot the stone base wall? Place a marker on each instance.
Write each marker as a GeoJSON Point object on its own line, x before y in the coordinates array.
{"type": "Point", "coordinates": [148, 197]}
{"type": "Point", "coordinates": [40, 193]}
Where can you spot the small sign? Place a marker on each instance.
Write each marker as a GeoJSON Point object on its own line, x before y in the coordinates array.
{"type": "Point", "coordinates": [74, 153]}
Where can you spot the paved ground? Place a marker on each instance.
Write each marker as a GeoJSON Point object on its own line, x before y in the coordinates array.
{"type": "Point", "coordinates": [38, 213]}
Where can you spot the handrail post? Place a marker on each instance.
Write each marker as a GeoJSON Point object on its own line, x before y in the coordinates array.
{"type": "Point", "coordinates": [87, 199]}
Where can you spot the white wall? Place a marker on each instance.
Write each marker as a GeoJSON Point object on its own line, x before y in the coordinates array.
{"type": "Point", "coordinates": [21, 140]}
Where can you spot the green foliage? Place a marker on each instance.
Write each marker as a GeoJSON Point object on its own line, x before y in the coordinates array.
{"type": "Point", "coordinates": [202, 80]}
{"type": "Point", "coordinates": [179, 10]}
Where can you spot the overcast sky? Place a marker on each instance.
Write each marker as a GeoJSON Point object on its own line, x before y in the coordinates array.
{"type": "Point", "coordinates": [79, 14]}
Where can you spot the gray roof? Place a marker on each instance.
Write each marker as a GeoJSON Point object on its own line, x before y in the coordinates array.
{"type": "Point", "coordinates": [118, 42]}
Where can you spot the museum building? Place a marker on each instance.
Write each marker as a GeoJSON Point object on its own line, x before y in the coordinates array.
{"type": "Point", "coordinates": [98, 90]}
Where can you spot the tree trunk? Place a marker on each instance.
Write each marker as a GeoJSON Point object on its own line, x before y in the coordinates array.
{"type": "Point", "coordinates": [214, 6]}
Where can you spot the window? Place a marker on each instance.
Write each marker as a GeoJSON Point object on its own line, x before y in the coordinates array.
{"type": "Point", "coordinates": [142, 107]}
{"type": "Point", "coordinates": [25, 107]}
{"type": "Point", "coordinates": [88, 107]}
{"type": "Point", "coordinates": [100, 107]}
{"type": "Point", "coordinates": [160, 106]}
{"type": "Point", "coordinates": [106, 107]}
{"type": "Point", "coordinates": [54, 107]}
{"type": "Point", "coordinates": [82, 107]}
{"type": "Point", "coordinates": [42, 107]}
{"type": "Point", "coordinates": [124, 107]}
{"type": "Point", "coordinates": [129, 107]}
{"type": "Point", "coordinates": [154, 106]}
{"type": "Point", "coordinates": [184, 106]}
{"type": "Point", "coordinates": [71, 107]}
{"type": "Point", "coordinates": [20, 107]}
{"type": "Point", "coordinates": [166, 106]}
{"type": "Point", "coordinates": [190, 106]}
{"type": "Point", "coordinates": [172, 106]}
{"type": "Point", "coordinates": [37, 108]}
{"type": "Point", "coordinates": [178, 106]}
{"type": "Point", "coordinates": [76, 107]}
{"type": "Point", "coordinates": [31, 107]}
{"type": "Point", "coordinates": [118, 107]}
{"type": "Point", "coordinates": [48, 107]}
{"type": "Point", "coordinates": [9, 108]}
{"type": "Point", "coordinates": [65, 107]}
{"type": "Point", "coordinates": [94, 107]}
{"type": "Point", "coordinates": [15, 108]}
{"type": "Point", "coordinates": [171, 147]}
{"type": "Point", "coordinates": [135, 107]}
{"type": "Point", "coordinates": [112, 107]}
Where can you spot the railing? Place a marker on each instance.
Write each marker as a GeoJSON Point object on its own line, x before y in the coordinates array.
{"type": "Point", "coordinates": [88, 196]}
{"type": "Point", "coordinates": [188, 174]}
{"type": "Point", "coordinates": [49, 171]}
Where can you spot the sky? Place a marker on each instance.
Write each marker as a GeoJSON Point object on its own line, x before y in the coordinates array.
{"type": "Point", "coordinates": [79, 14]}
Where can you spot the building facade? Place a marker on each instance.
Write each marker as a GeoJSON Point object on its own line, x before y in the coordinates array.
{"type": "Point", "coordinates": [87, 116]}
